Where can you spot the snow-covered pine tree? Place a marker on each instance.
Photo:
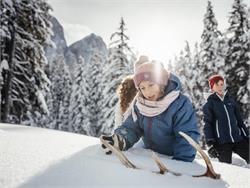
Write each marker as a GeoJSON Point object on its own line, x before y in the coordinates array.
{"type": "Point", "coordinates": [119, 40]}
{"type": "Point", "coordinates": [26, 30]}
{"type": "Point", "coordinates": [119, 64]}
{"type": "Point", "coordinates": [94, 99]}
{"type": "Point", "coordinates": [63, 82]}
{"type": "Point", "coordinates": [57, 98]}
{"type": "Point", "coordinates": [45, 120]}
{"type": "Point", "coordinates": [211, 63]}
{"type": "Point", "coordinates": [8, 35]}
{"type": "Point", "coordinates": [237, 60]}
{"type": "Point", "coordinates": [184, 70]}
{"type": "Point", "coordinates": [208, 60]}
{"type": "Point", "coordinates": [64, 112]}
{"type": "Point", "coordinates": [79, 119]}
{"type": "Point", "coordinates": [197, 92]}
{"type": "Point", "coordinates": [248, 81]}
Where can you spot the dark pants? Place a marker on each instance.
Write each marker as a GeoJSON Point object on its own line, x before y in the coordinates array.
{"type": "Point", "coordinates": [225, 151]}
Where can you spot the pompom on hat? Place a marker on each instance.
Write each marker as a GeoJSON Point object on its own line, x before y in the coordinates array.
{"type": "Point", "coordinates": [213, 79]}
{"type": "Point", "coordinates": [142, 59]}
{"type": "Point", "coordinates": [152, 71]}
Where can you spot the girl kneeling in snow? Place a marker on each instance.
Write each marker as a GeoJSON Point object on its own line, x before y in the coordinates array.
{"type": "Point", "coordinates": [157, 113]}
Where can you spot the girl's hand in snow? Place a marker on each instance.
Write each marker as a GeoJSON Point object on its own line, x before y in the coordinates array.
{"type": "Point", "coordinates": [115, 140]}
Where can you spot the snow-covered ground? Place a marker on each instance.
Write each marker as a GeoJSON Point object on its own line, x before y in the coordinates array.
{"type": "Point", "coordinates": [36, 157]}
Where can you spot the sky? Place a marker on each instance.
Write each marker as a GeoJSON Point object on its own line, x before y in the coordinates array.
{"type": "Point", "coordinates": [49, 158]}
{"type": "Point", "coordinates": [157, 28]}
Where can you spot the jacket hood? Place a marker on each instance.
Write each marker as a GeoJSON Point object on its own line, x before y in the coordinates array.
{"type": "Point", "coordinates": [174, 84]}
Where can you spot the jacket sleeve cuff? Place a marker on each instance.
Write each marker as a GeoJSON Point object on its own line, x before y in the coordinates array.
{"type": "Point", "coordinates": [210, 141]}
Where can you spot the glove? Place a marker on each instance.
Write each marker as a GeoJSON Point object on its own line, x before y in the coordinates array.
{"type": "Point", "coordinates": [115, 140]}
{"type": "Point", "coordinates": [212, 152]}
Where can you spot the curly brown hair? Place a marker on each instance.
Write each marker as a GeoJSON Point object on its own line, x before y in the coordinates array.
{"type": "Point", "coordinates": [126, 92]}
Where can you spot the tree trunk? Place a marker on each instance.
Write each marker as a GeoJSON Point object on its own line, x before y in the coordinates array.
{"type": "Point", "coordinates": [8, 84]}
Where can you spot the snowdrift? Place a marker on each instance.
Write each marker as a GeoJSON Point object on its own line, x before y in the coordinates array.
{"type": "Point", "coordinates": [36, 157]}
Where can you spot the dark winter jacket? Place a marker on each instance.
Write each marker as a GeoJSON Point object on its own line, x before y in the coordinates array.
{"type": "Point", "coordinates": [223, 122]}
{"type": "Point", "coordinates": [160, 133]}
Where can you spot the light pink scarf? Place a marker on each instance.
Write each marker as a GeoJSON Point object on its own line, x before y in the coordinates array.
{"type": "Point", "coordinates": [150, 108]}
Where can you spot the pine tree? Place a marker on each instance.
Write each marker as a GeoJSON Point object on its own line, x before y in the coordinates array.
{"type": "Point", "coordinates": [119, 43]}
{"type": "Point", "coordinates": [94, 98]}
{"type": "Point", "coordinates": [248, 82]}
{"type": "Point", "coordinates": [63, 122]}
{"type": "Point", "coordinates": [207, 60]}
{"type": "Point", "coordinates": [237, 60]}
{"type": "Point", "coordinates": [211, 62]}
{"type": "Point", "coordinates": [197, 92]}
{"type": "Point", "coordinates": [56, 98]}
{"type": "Point", "coordinates": [26, 30]}
{"type": "Point", "coordinates": [118, 65]}
{"type": "Point", "coordinates": [184, 69]}
{"type": "Point", "coordinates": [46, 120]}
{"type": "Point", "coordinates": [79, 118]}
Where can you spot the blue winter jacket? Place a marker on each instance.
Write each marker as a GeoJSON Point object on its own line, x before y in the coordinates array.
{"type": "Point", "coordinates": [223, 121]}
{"type": "Point", "coordinates": [160, 133]}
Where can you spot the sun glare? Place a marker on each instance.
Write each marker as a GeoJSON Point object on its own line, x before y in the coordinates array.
{"type": "Point", "coordinates": [158, 44]}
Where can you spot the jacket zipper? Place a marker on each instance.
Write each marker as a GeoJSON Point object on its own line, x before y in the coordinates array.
{"type": "Point", "coordinates": [229, 123]}
{"type": "Point", "coordinates": [150, 132]}
{"type": "Point", "coordinates": [243, 131]}
{"type": "Point", "coordinates": [217, 129]}
{"type": "Point", "coordinates": [238, 127]}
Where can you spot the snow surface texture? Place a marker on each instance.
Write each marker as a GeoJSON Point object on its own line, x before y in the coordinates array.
{"type": "Point", "coordinates": [35, 157]}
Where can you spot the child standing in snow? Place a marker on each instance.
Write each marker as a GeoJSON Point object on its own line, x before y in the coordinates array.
{"type": "Point", "coordinates": [224, 129]}
{"type": "Point", "coordinates": [157, 113]}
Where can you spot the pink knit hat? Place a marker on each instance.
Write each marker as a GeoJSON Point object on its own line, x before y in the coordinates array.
{"type": "Point", "coordinates": [151, 71]}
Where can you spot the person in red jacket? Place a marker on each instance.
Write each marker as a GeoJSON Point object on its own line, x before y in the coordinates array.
{"type": "Point", "coordinates": [224, 129]}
